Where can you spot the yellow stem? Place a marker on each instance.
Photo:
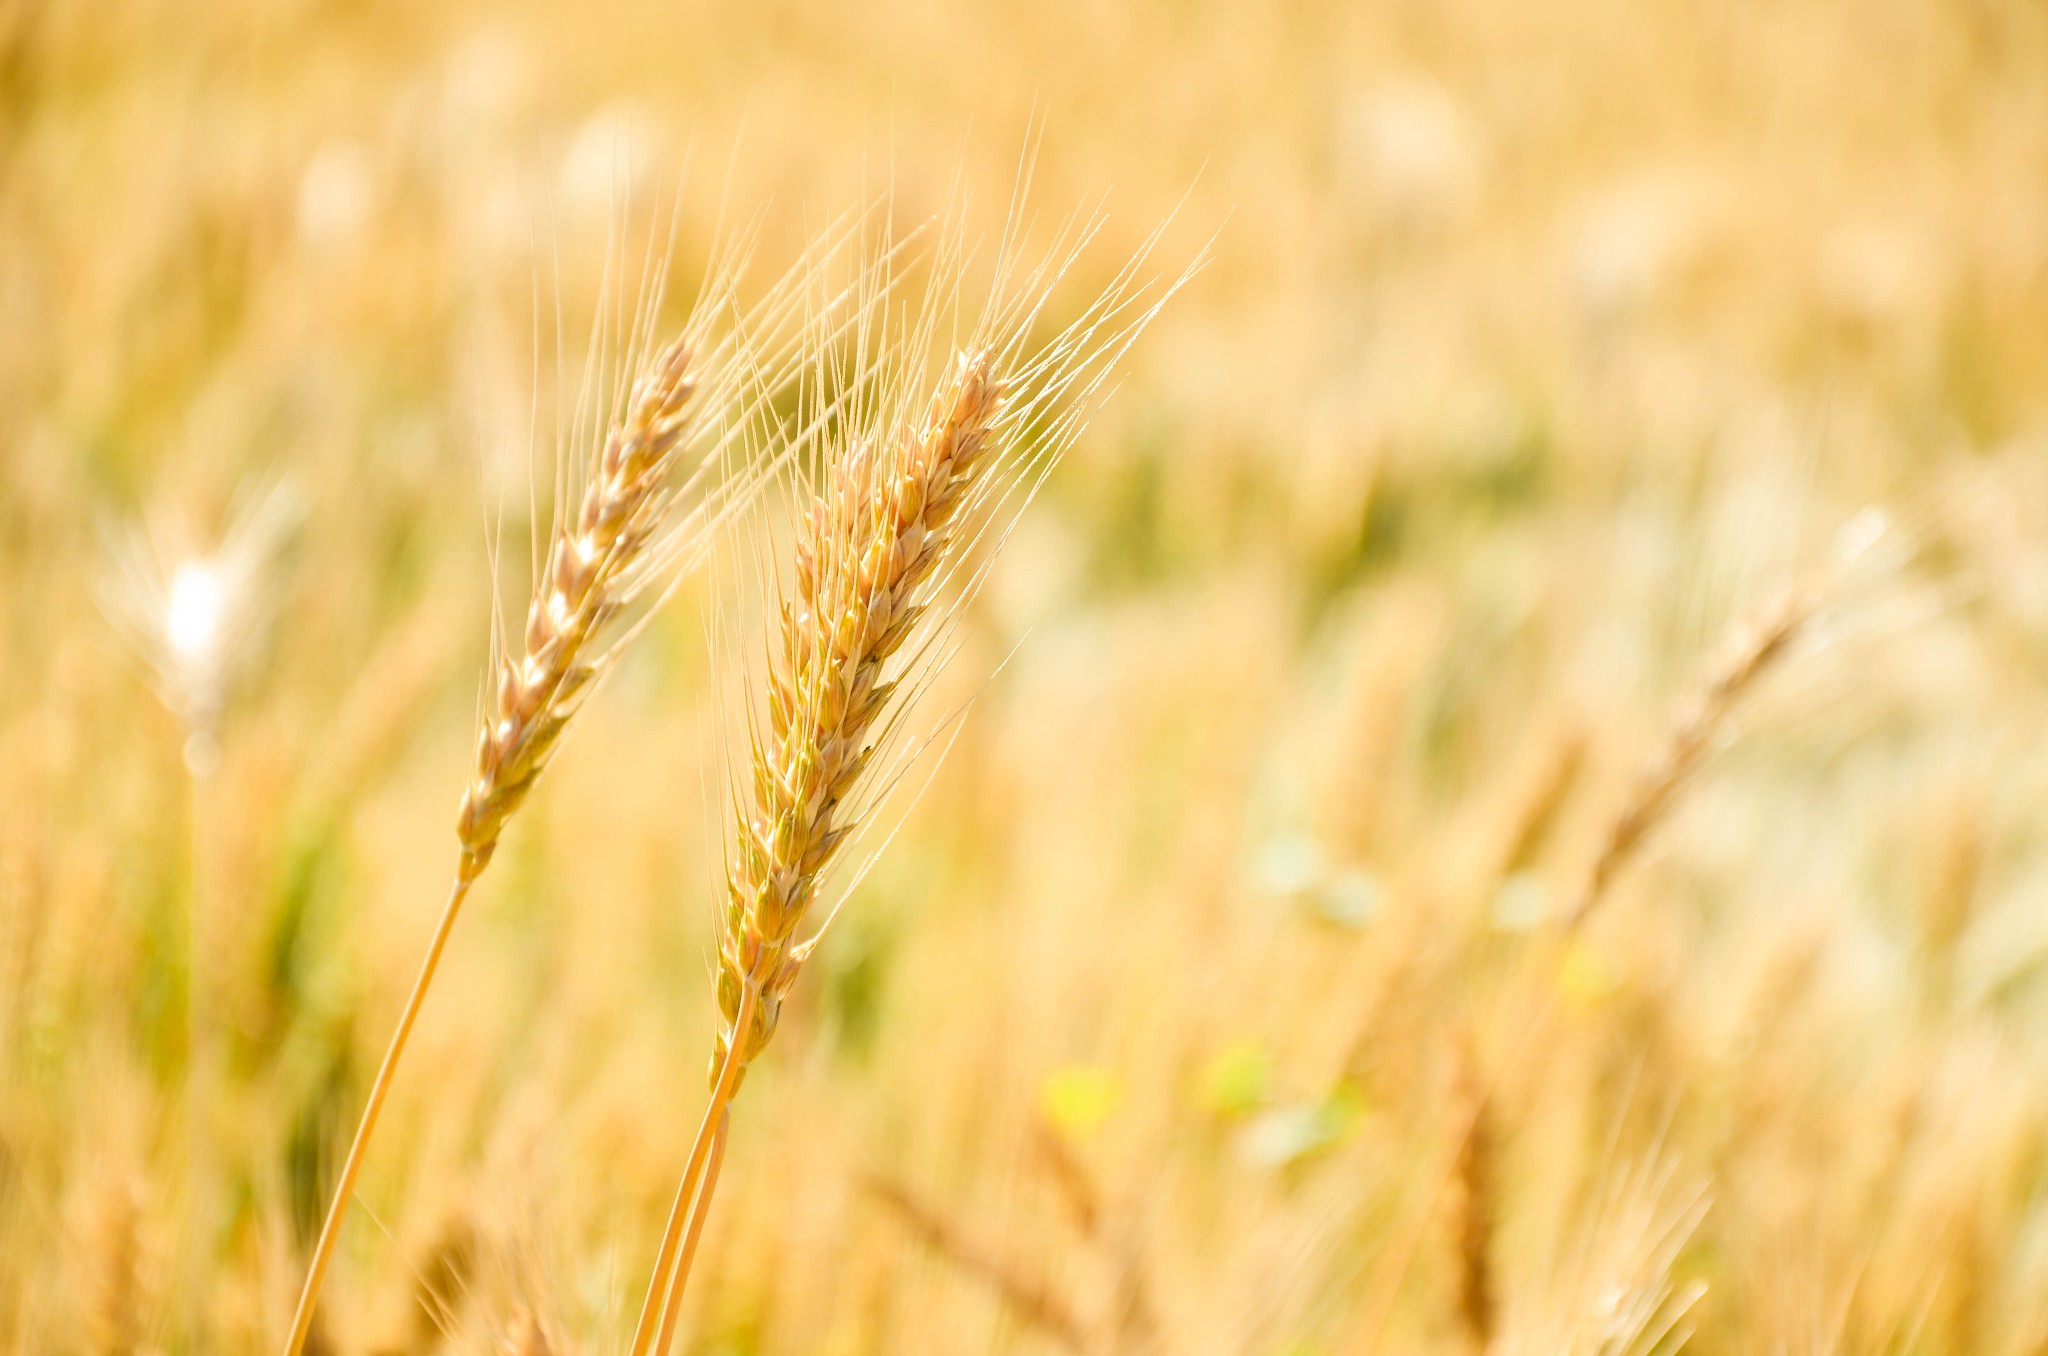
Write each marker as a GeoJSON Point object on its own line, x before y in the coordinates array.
{"type": "Point", "coordinates": [699, 1212]}
{"type": "Point", "coordinates": [330, 1231]}
{"type": "Point", "coordinates": [721, 1096]}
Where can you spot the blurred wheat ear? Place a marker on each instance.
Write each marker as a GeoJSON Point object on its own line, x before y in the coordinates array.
{"type": "Point", "coordinates": [1751, 654]}
{"type": "Point", "coordinates": [195, 617]}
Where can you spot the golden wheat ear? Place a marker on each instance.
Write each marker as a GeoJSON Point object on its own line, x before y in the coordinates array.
{"type": "Point", "coordinates": [588, 580]}
{"type": "Point", "coordinates": [867, 554]}
{"type": "Point", "coordinates": [866, 561]}
{"type": "Point", "coordinates": [924, 479]}
{"type": "Point", "coordinates": [691, 443]}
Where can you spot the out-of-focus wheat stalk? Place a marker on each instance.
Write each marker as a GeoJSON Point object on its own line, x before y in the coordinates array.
{"type": "Point", "coordinates": [115, 1324]}
{"type": "Point", "coordinates": [196, 619]}
{"type": "Point", "coordinates": [1612, 1291]}
{"type": "Point", "coordinates": [1756, 648]}
{"type": "Point", "coordinates": [1477, 1204]}
{"type": "Point", "coordinates": [1036, 1304]}
{"type": "Point", "coordinates": [1751, 653]}
{"type": "Point", "coordinates": [1133, 1321]}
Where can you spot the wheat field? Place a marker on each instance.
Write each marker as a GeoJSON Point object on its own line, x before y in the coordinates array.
{"type": "Point", "coordinates": [1406, 647]}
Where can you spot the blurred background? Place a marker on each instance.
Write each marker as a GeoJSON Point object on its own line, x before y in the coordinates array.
{"type": "Point", "coordinates": [1218, 997]}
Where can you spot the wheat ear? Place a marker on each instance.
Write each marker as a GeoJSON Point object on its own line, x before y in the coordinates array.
{"type": "Point", "coordinates": [866, 557]}
{"type": "Point", "coordinates": [903, 505]}
{"type": "Point", "coordinates": [1475, 1172]}
{"type": "Point", "coordinates": [114, 1324]}
{"type": "Point", "coordinates": [1037, 1304]}
{"type": "Point", "coordinates": [596, 565]}
{"type": "Point", "coordinates": [1750, 654]}
{"type": "Point", "coordinates": [1699, 721]}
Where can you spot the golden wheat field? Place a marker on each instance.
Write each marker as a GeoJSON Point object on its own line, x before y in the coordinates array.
{"type": "Point", "coordinates": [1180, 677]}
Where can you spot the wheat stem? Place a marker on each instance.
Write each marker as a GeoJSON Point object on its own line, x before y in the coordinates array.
{"type": "Point", "coordinates": [330, 1230]}
{"type": "Point", "coordinates": [665, 1262]}
{"type": "Point", "coordinates": [700, 1211]}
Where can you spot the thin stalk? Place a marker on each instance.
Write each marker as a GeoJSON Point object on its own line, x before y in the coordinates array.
{"type": "Point", "coordinates": [330, 1231]}
{"type": "Point", "coordinates": [700, 1151]}
{"type": "Point", "coordinates": [201, 1084]}
{"type": "Point", "coordinates": [699, 1212]}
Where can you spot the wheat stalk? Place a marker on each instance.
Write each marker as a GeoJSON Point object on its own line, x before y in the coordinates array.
{"type": "Point", "coordinates": [1037, 1304]}
{"type": "Point", "coordinates": [1750, 654]}
{"type": "Point", "coordinates": [1475, 1205]}
{"type": "Point", "coordinates": [897, 514]}
{"type": "Point", "coordinates": [631, 535]}
{"type": "Point", "coordinates": [594, 570]}
{"type": "Point", "coordinates": [866, 555]}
